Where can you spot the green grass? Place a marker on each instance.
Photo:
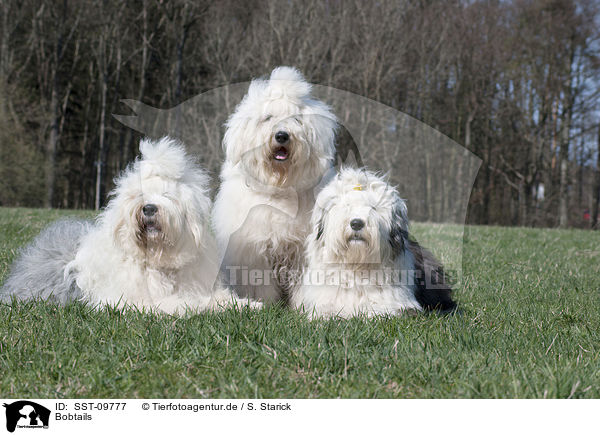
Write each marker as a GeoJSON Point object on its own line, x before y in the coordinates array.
{"type": "Point", "coordinates": [530, 327]}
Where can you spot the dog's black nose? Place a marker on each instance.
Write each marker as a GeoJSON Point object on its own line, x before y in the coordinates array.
{"type": "Point", "coordinates": [357, 224]}
{"type": "Point", "coordinates": [150, 210]}
{"type": "Point", "coordinates": [282, 136]}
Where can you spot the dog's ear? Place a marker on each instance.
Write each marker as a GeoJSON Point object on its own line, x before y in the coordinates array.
{"type": "Point", "coordinates": [122, 220]}
{"type": "Point", "coordinates": [197, 216]}
{"type": "Point", "coordinates": [317, 220]}
{"type": "Point", "coordinates": [197, 231]}
{"type": "Point", "coordinates": [318, 216]}
{"type": "Point", "coordinates": [399, 226]}
{"type": "Point", "coordinates": [320, 228]}
{"type": "Point", "coordinates": [432, 290]}
{"type": "Point", "coordinates": [234, 139]}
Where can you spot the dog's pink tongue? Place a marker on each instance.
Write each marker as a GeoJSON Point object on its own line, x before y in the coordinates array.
{"type": "Point", "coordinates": [281, 154]}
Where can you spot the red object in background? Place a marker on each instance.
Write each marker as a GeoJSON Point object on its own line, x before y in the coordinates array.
{"type": "Point", "coordinates": [586, 215]}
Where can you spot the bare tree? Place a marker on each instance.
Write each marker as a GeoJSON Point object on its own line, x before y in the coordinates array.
{"type": "Point", "coordinates": [514, 82]}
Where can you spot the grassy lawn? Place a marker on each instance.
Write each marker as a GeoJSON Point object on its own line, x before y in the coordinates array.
{"type": "Point", "coordinates": [530, 327]}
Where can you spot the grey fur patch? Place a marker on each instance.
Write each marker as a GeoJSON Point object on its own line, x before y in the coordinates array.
{"type": "Point", "coordinates": [39, 270]}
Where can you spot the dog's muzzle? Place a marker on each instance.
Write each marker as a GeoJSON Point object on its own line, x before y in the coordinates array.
{"type": "Point", "coordinates": [149, 221]}
{"type": "Point", "coordinates": [280, 152]}
{"type": "Point", "coordinates": [356, 225]}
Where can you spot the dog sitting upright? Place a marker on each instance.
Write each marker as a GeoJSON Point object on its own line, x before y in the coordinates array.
{"type": "Point", "coordinates": [360, 258]}
{"type": "Point", "coordinates": [278, 145]}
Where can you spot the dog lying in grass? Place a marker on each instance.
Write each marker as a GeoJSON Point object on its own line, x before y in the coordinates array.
{"type": "Point", "coordinates": [360, 258]}
{"type": "Point", "coordinates": [152, 247]}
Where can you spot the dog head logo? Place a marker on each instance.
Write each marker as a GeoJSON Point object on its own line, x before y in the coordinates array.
{"type": "Point", "coordinates": [26, 414]}
{"type": "Point", "coordinates": [433, 174]}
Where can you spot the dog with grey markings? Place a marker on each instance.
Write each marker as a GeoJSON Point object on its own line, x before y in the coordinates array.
{"type": "Point", "coordinates": [360, 259]}
{"type": "Point", "coordinates": [152, 247]}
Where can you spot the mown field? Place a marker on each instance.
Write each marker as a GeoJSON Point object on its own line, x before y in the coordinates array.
{"type": "Point", "coordinates": [529, 328]}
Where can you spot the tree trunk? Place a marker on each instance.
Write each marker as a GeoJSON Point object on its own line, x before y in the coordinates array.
{"type": "Point", "coordinates": [52, 145]}
{"type": "Point", "coordinates": [595, 219]}
{"type": "Point", "coordinates": [564, 145]}
{"type": "Point", "coordinates": [179, 78]}
{"type": "Point", "coordinates": [101, 128]}
{"type": "Point", "coordinates": [100, 161]}
{"type": "Point", "coordinates": [126, 150]}
{"type": "Point", "coordinates": [563, 218]}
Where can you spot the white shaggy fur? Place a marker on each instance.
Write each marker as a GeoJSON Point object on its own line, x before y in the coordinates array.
{"type": "Point", "coordinates": [152, 246]}
{"type": "Point", "coordinates": [263, 207]}
{"type": "Point", "coordinates": [366, 270]}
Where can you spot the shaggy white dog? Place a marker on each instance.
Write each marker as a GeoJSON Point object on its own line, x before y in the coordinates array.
{"type": "Point", "coordinates": [151, 247]}
{"type": "Point", "coordinates": [360, 258]}
{"type": "Point", "coordinates": [278, 145]}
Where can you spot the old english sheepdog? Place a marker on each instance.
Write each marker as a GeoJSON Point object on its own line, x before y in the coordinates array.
{"type": "Point", "coordinates": [360, 258]}
{"type": "Point", "coordinates": [278, 145]}
{"type": "Point", "coordinates": [152, 246]}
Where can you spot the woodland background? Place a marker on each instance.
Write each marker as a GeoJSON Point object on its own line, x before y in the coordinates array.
{"type": "Point", "coordinates": [515, 82]}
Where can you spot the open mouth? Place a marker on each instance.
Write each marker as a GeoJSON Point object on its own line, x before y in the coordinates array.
{"type": "Point", "coordinates": [356, 238]}
{"type": "Point", "coordinates": [280, 154]}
